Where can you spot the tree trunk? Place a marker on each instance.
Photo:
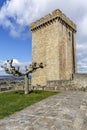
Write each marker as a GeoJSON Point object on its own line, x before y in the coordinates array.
{"type": "Point", "coordinates": [26, 84]}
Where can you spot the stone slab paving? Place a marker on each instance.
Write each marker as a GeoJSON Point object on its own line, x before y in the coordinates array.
{"type": "Point", "coordinates": [64, 111]}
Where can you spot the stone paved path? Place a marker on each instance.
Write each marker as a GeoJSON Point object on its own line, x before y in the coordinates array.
{"type": "Point", "coordinates": [65, 111]}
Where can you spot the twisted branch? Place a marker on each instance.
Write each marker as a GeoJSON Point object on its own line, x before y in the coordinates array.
{"type": "Point", "coordinates": [16, 70]}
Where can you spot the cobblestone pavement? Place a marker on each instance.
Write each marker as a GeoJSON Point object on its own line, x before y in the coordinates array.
{"type": "Point", "coordinates": [65, 111]}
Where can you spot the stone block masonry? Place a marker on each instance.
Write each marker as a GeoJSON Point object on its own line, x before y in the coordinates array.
{"type": "Point", "coordinates": [79, 82]}
{"type": "Point", "coordinates": [54, 43]}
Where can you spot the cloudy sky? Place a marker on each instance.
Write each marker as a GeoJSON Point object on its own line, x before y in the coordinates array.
{"type": "Point", "coordinates": [15, 35]}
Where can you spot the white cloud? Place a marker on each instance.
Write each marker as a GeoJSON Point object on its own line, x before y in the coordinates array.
{"type": "Point", "coordinates": [82, 57]}
{"type": "Point", "coordinates": [15, 15]}
{"type": "Point", "coordinates": [83, 26]}
{"type": "Point", "coordinates": [82, 46]}
{"type": "Point", "coordinates": [20, 63]}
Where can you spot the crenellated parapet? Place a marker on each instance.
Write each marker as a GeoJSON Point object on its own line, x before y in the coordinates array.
{"type": "Point", "coordinates": [56, 15]}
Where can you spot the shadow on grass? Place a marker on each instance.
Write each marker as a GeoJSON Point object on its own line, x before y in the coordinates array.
{"type": "Point", "coordinates": [20, 92]}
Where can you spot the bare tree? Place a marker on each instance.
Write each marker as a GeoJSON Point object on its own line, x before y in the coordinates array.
{"type": "Point", "coordinates": [15, 70]}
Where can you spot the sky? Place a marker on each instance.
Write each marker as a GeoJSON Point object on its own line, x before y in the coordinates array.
{"type": "Point", "coordinates": [15, 34]}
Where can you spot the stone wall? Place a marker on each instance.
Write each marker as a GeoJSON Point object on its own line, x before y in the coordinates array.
{"type": "Point", "coordinates": [53, 43]}
{"type": "Point", "coordinates": [79, 82]}
{"type": "Point", "coordinates": [39, 55]}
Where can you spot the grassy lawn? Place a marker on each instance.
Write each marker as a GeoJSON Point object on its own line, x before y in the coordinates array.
{"type": "Point", "coordinates": [11, 102]}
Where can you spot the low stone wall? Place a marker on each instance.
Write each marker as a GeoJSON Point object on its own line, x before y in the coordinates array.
{"type": "Point", "coordinates": [79, 82]}
{"type": "Point", "coordinates": [60, 85]}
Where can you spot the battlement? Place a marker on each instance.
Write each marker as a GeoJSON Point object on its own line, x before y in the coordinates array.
{"type": "Point", "coordinates": [56, 15]}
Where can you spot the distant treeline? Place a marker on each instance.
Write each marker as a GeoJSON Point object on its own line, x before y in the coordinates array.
{"type": "Point", "coordinates": [11, 77]}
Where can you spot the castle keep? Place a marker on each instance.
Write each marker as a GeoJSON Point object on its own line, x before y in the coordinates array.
{"type": "Point", "coordinates": [54, 44]}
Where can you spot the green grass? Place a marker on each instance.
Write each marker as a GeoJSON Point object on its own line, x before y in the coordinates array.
{"type": "Point", "coordinates": [12, 102]}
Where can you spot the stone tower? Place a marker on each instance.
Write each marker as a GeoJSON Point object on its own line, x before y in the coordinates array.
{"type": "Point", "coordinates": [54, 43]}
